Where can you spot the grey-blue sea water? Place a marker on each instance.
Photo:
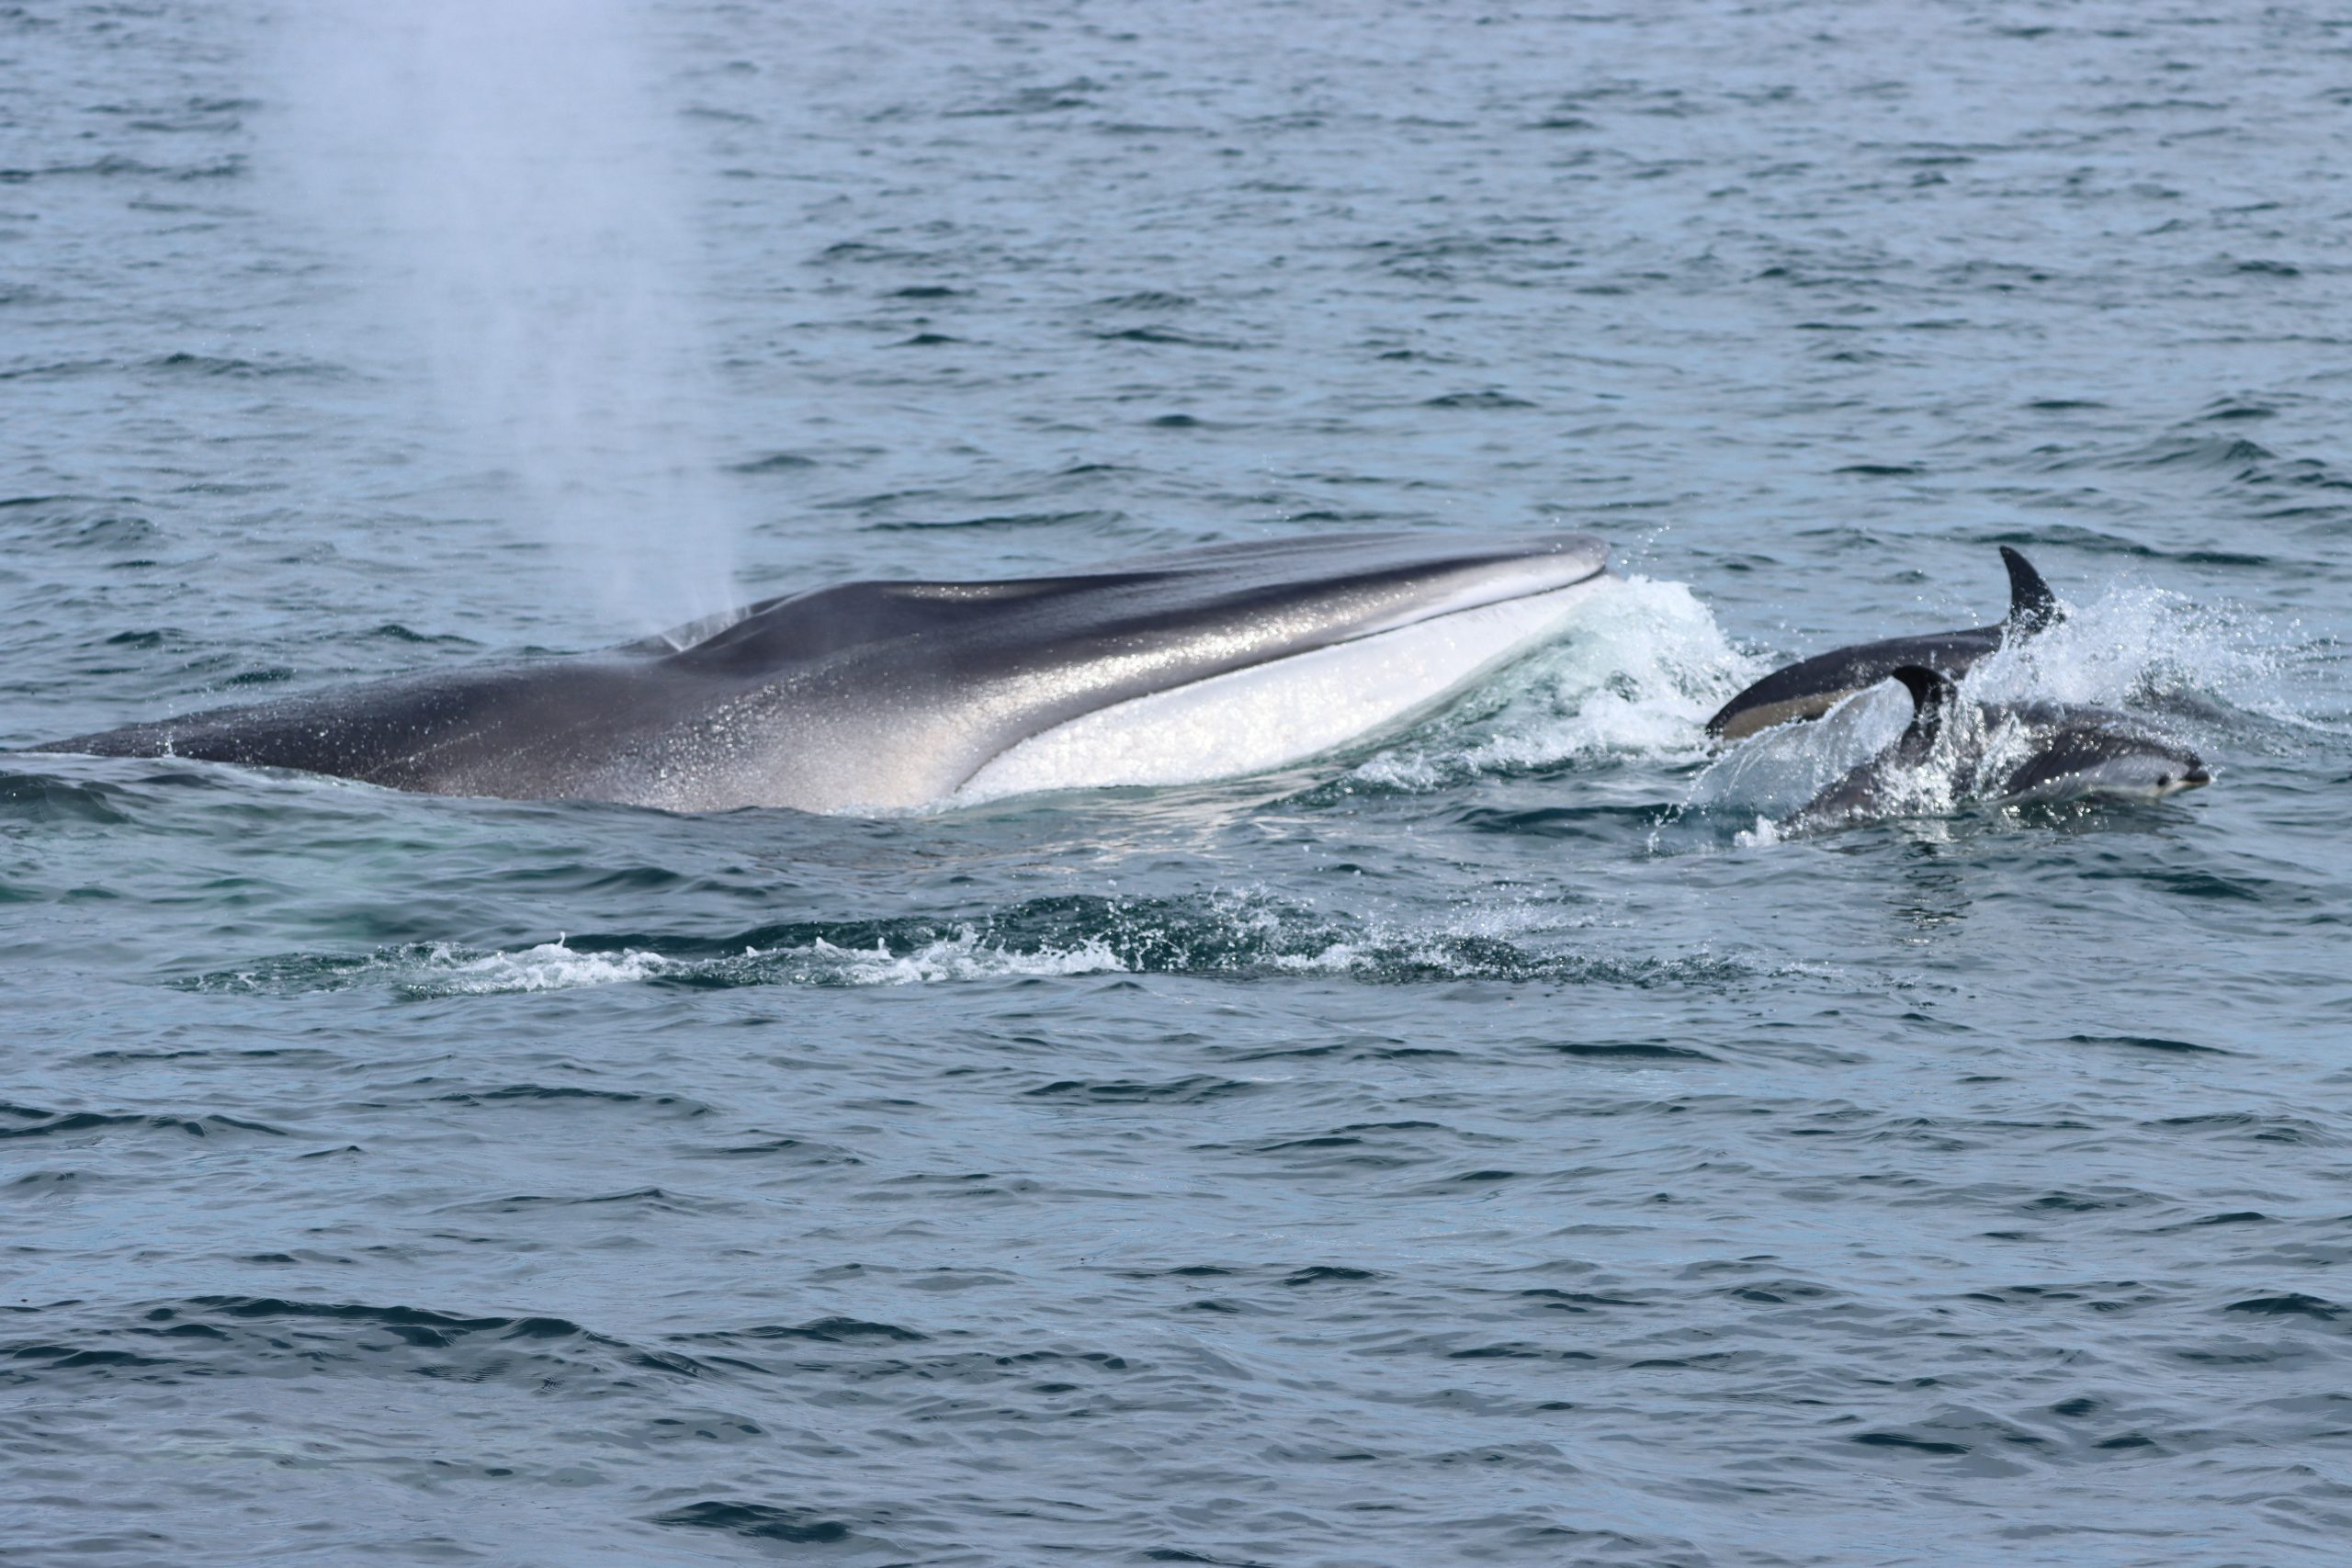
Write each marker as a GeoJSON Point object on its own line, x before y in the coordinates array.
{"type": "Point", "coordinates": [1496, 1144]}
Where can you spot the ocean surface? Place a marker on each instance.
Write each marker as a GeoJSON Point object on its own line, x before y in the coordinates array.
{"type": "Point", "coordinates": [1496, 1144]}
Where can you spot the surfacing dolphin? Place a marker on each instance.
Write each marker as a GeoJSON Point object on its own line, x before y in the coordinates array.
{"type": "Point", "coordinates": [1812, 687]}
{"type": "Point", "coordinates": [1955, 752]}
{"type": "Point", "coordinates": [880, 697]}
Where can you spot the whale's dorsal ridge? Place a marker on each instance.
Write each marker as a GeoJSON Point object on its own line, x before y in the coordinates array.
{"type": "Point", "coordinates": [1313, 590]}
{"type": "Point", "coordinates": [2032, 606]}
{"type": "Point", "coordinates": [801, 628]}
{"type": "Point", "coordinates": [1932, 694]}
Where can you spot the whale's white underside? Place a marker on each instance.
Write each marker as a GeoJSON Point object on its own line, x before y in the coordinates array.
{"type": "Point", "coordinates": [1270, 715]}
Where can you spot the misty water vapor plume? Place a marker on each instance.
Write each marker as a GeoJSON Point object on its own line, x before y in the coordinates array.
{"type": "Point", "coordinates": [517, 200]}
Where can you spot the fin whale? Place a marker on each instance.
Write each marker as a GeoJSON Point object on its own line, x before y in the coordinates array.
{"type": "Point", "coordinates": [878, 696]}
{"type": "Point", "coordinates": [1813, 686]}
{"type": "Point", "coordinates": [1955, 751]}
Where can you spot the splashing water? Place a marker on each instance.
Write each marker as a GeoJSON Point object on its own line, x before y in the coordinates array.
{"type": "Point", "coordinates": [2143, 647]}
{"type": "Point", "coordinates": [1776, 773]}
{"type": "Point", "coordinates": [1634, 676]}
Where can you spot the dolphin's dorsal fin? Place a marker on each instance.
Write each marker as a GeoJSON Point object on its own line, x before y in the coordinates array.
{"type": "Point", "coordinates": [2033, 608]}
{"type": "Point", "coordinates": [1932, 694]}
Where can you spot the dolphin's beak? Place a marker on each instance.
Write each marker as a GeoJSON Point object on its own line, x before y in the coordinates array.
{"type": "Point", "coordinates": [2195, 777]}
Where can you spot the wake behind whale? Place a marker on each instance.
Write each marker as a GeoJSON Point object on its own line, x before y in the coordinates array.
{"type": "Point", "coordinates": [879, 696]}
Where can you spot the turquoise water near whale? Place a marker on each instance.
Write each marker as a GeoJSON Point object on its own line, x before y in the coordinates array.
{"type": "Point", "coordinates": [1491, 1145]}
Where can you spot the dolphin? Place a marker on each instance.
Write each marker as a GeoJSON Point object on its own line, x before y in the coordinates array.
{"type": "Point", "coordinates": [1955, 751]}
{"type": "Point", "coordinates": [1812, 687]}
{"type": "Point", "coordinates": [887, 696]}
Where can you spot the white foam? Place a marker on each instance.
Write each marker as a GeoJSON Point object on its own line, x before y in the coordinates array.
{"type": "Point", "coordinates": [962, 957]}
{"type": "Point", "coordinates": [1633, 674]}
{"type": "Point", "coordinates": [549, 966]}
{"type": "Point", "coordinates": [443, 970]}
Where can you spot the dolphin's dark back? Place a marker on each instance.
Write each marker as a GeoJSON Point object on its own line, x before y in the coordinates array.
{"type": "Point", "coordinates": [1811, 687]}
{"type": "Point", "coordinates": [867, 693]}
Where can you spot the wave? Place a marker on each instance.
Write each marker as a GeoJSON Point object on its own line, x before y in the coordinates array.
{"type": "Point", "coordinates": [1235, 936]}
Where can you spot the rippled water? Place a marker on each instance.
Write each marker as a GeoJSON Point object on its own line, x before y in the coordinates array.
{"type": "Point", "coordinates": [1486, 1146]}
